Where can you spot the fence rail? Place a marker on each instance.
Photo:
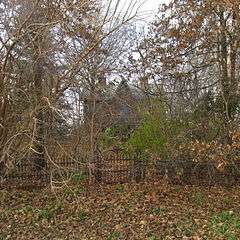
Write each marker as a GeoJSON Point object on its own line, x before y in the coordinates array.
{"type": "Point", "coordinates": [116, 168]}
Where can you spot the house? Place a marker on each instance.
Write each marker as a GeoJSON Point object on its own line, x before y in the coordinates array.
{"type": "Point", "coordinates": [111, 104]}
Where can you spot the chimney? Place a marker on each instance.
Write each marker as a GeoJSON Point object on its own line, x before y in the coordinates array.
{"type": "Point", "coordinates": [144, 85]}
{"type": "Point", "coordinates": [103, 81]}
{"type": "Point", "coordinates": [102, 78]}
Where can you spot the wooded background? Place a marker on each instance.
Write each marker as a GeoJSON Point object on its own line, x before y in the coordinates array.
{"type": "Point", "coordinates": [79, 80]}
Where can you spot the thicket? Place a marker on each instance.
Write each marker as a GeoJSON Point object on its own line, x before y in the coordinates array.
{"type": "Point", "coordinates": [198, 136]}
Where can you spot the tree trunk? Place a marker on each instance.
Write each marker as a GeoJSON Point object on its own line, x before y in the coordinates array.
{"type": "Point", "coordinates": [39, 159]}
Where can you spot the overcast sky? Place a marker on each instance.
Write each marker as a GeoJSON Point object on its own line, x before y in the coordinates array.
{"type": "Point", "coordinates": [148, 7]}
{"type": "Point", "coordinates": [151, 6]}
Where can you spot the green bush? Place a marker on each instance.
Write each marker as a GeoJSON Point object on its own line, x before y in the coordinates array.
{"type": "Point", "coordinates": [156, 135]}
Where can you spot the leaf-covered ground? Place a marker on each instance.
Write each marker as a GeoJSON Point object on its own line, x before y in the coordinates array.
{"type": "Point", "coordinates": [132, 211]}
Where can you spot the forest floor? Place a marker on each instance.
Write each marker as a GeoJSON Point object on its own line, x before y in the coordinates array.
{"type": "Point", "coordinates": [148, 211]}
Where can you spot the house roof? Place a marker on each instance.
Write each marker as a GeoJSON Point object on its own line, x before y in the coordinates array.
{"type": "Point", "coordinates": [112, 90]}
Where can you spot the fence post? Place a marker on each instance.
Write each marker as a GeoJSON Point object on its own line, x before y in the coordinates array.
{"type": "Point", "coordinates": [138, 168]}
{"type": "Point", "coordinates": [98, 167]}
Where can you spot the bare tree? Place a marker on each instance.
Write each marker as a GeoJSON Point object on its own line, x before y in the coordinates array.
{"type": "Point", "coordinates": [50, 51]}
